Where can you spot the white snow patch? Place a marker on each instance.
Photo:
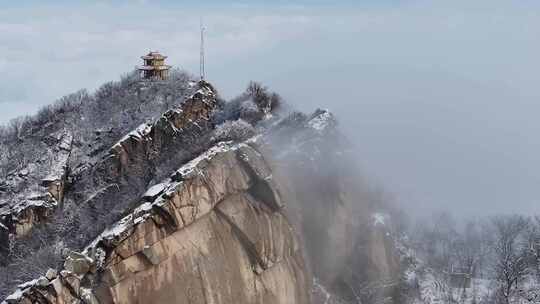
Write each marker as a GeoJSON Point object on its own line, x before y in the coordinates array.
{"type": "Point", "coordinates": [20, 291]}
{"type": "Point", "coordinates": [33, 200]}
{"type": "Point", "coordinates": [268, 116]}
{"type": "Point", "coordinates": [192, 165]}
{"type": "Point", "coordinates": [66, 140]}
{"type": "Point", "coordinates": [143, 208]}
{"type": "Point", "coordinates": [58, 168]}
{"type": "Point", "coordinates": [119, 228]}
{"type": "Point", "coordinates": [155, 190]}
{"type": "Point", "coordinates": [322, 289]}
{"type": "Point", "coordinates": [321, 121]}
{"type": "Point", "coordinates": [139, 133]}
{"type": "Point", "coordinates": [379, 219]}
{"type": "Point", "coordinates": [14, 296]}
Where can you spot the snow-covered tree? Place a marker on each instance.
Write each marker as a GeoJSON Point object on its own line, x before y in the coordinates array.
{"type": "Point", "coordinates": [510, 256]}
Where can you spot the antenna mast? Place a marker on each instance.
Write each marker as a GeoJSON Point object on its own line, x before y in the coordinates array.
{"type": "Point", "coordinates": [202, 72]}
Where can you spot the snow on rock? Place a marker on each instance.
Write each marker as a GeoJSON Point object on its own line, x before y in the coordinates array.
{"type": "Point", "coordinates": [141, 131]}
{"type": "Point", "coordinates": [87, 296]}
{"type": "Point", "coordinates": [154, 191]}
{"type": "Point", "coordinates": [198, 106]}
{"type": "Point", "coordinates": [119, 231]}
{"type": "Point", "coordinates": [33, 199]}
{"type": "Point", "coordinates": [31, 193]}
{"type": "Point", "coordinates": [58, 169]}
{"type": "Point", "coordinates": [320, 291]}
{"type": "Point", "coordinates": [27, 284]}
{"type": "Point", "coordinates": [138, 134]}
{"type": "Point", "coordinates": [16, 296]}
{"type": "Point", "coordinates": [124, 227]}
{"type": "Point", "coordinates": [205, 89]}
{"type": "Point", "coordinates": [19, 293]}
{"type": "Point", "coordinates": [66, 142]}
{"type": "Point", "coordinates": [321, 120]}
{"type": "Point", "coordinates": [379, 219]}
{"type": "Point", "coordinates": [191, 166]}
{"type": "Point", "coordinates": [25, 209]}
{"type": "Point", "coordinates": [249, 105]}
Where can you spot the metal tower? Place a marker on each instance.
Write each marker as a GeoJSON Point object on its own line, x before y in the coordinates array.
{"type": "Point", "coordinates": [201, 67]}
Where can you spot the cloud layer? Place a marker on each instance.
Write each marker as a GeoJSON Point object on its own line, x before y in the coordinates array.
{"type": "Point", "coordinates": [440, 97]}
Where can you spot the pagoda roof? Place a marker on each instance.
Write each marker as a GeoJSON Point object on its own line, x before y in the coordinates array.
{"type": "Point", "coordinates": [154, 67]}
{"type": "Point", "coordinates": [153, 55]}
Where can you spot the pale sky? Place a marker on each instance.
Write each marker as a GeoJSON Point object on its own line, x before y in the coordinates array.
{"type": "Point", "coordinates": [440, 97]}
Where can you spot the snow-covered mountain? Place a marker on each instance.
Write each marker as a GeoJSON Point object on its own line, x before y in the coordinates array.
{"type": "Point", "coordinates": [165, 193]}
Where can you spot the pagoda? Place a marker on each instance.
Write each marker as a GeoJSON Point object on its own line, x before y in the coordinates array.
{"type": "Point", "coordinates": [154, 67]}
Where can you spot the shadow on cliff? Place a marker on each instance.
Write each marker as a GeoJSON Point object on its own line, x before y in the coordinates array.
{"type": "Point", "coordinates": [347, 224]}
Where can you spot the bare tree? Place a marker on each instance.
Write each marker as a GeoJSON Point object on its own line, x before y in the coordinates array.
{"type": "Point", "coordinates": [510, 253]}
{"type": "Point", "coordinates": [265, 100]}
{"type": "Point", "coordinates": [472, 248]}
{"type": "Point", "coordinates": [437, 238]}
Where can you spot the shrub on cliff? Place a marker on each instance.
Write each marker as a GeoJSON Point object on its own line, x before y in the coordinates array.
{"type": "Point", "coordinates": [252, 105]}
{"type": "Point", "coordinates": [236, 130]}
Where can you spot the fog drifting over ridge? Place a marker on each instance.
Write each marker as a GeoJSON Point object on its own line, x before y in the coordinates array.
{"type": "Point", "coordinates": [440, 98]}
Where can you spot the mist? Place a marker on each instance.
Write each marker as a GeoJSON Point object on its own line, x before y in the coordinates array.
{"type": "Point", "coordinates": [426, 191]}
{"type": "Point", "coordinates": [438, 98]}
{"type": "Point", "coordinates": [465, 147]}
{"type": "Point", "coordinates": [439, 101]}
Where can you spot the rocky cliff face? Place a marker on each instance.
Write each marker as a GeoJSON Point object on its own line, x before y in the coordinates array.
{"type": "Point", "coordinates": [30, 194]}
{"type": "Point", "coordinates": [214, 232]}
